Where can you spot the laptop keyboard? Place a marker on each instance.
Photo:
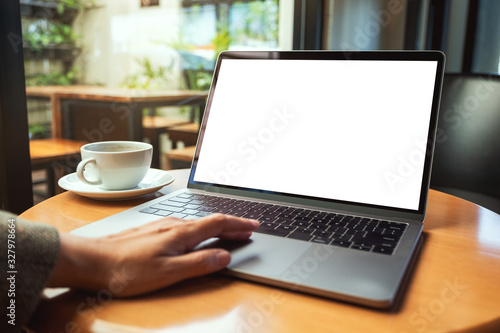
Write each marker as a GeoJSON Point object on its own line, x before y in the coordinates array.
{"type": "Point", "coordinates": [346, 231]}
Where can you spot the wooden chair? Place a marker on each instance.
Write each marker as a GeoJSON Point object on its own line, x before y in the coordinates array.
{"type": "Point", "coordinates": [81, 123]}
{"type": "Point", "coordinates": [153, 127]}
{"type": "Point", "coordinates": [187, 133]}
{"type": "Point", "coordinates": [57, 157]}
{"type": "Point", "coordinates": [467, 155]}
{"type": "Point", "coordinates": [181, 158]}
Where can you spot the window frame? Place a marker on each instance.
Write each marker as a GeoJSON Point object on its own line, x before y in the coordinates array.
{"type": "Point", "coordinates": [16, 192]}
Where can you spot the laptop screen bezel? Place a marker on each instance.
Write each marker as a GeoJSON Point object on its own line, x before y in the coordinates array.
{"type": "Point", "coordinates": [321, 203]}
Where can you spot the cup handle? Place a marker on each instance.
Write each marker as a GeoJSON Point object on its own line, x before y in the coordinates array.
{"type": "Point", "coordinates": [81, 176]}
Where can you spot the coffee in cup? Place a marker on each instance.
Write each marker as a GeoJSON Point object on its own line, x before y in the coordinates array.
{"type": "Point", "coordinates": [114, 165]}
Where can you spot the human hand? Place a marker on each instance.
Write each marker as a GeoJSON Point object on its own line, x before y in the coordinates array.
{"type": "Point", "coordinates": [147, 258]}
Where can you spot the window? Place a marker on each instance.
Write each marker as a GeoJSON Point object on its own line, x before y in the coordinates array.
{"type": "Point", "coordinates": [486, 51]}
{"type": "Point", "coordinates": [365, 25]}
{"type": "Point", "coordinates": [121, 40]}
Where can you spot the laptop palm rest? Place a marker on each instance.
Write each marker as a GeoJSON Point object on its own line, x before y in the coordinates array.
{"type": "Point", "coordinates": [313, 268]}
{"type": "Point", "coordinates": [261, 254]}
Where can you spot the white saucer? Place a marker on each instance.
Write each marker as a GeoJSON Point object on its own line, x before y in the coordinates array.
{"type": "Point", "coordinates": [155, 179]}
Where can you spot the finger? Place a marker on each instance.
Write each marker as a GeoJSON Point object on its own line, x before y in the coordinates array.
{"type": "Point", "coordinates": [148, 227]}
{"type": "Point", "coordinates": [235, 236]}
{"type": "Point", "coordinates": [196, 263]}
{"type": "Point", "coordinates": [216, 225]}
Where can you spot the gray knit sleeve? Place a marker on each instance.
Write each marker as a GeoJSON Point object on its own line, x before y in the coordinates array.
{"type": "Point", "coordinates": [28, 253]}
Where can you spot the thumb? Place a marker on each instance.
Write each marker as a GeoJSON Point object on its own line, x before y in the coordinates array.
{"type": "Point", "coordinates": [199, 263]}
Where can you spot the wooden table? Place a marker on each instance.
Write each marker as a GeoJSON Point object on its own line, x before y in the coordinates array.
{"type": "Point", "coordinates": [126, 104]}
{"type": "Point", "coordinates": [454, 286]}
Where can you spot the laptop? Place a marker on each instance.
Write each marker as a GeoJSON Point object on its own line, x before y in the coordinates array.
{"type": "Point", "coordinates": [330, 151]}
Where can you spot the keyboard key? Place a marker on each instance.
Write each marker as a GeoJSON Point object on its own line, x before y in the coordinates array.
{"type": "Point", "coordinates": [196, 202]}
{"type": "Point", "coordinates": [251, 215]}
{"type": "Point", "coordinates": [271, 231]}
{"type": "Point", "coordinates": [362, 247]}
{"type": "Point", "coordinates": [323, 233]}
{"type": "Point", "coordinates": [340, 230]}
{"type": "Point", "coordinates": [221, 210]}
{"type": "Point", "coordinates": [300, 235]}
{"type": "Point", "coordinates": [321, 240]}
{"type": "Point", "coordinates": [384, 224]}
{"type": "Point", "coordinates": [236, 213]}
{"type": "Point", "coordinates": [179, 199]}
{"type": "Point", "coordinates": [318, 226]}
{"type": "Point", "coordinates": [302, 224]}
{"type": "Point", "coordinates": [283, 209]}
{"type": "Point", "coordinates": [168, 208]}
{"type": "Point", "coordinates": [300, 213]}
{"type": "Point", "coordinates": [343, 237]}
{"type": "Point", "coordinates": [172, 203]}
{"type": "Point", "coordinates": [352, 232]}
{"type": "Point", "coordinates": [394, 232]}
{"type": "Point", "coordinates": [267, 218]}
{"type": "Point", "coordinates": [390, 239]}
{"type": "Point", "coordinates": [381, 249]}
{"type": "Point", "coordinates": [191, 206]}
{"type": "Point", "coordinates": [270, 214]}
{"type": "Point", "coordinates": [286, 215]}
{"type": "Point", "coordinates": [190, 211]}
{"type": "Point", "coordinates": [202, 213]}
{"type": "Point", "coordinates": [285, 227]}
{"type": "Point", "coordinates": [358, 226]}
{"type": "Point", "coordinates": [338, 218]}
{"type": "Point", "coordinates": [378, 230]}
{"type": "Point", "coordinates": [238, 208]}
{"type": "Point", "coordinates": [397, 226]}
{"type": "Point", "coordinates": [318, 215]}
{"type": "Point", "coordinates": [148, 210]}
{"type": "Point", "coordinates": [163, 213]}
{"type": "Point", "coordinates": [302, 219]}
{"type": "Point", "coordinates": [340, 243]}
{"type": "Point", "coordinates": [304, 230]}
{"type": "Point", "coordinates": [284, 221]}
{"type": "Point", "coordinates": [339, 224]}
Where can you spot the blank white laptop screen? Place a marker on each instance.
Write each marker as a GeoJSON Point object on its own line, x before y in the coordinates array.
{"type": "Point", "coordinates": [345, 130]}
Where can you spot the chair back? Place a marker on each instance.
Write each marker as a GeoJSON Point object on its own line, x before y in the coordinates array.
{"type": "Point", "coordinates": [467, 155]}
{"type": "Point", "coordinates": [92, 121]}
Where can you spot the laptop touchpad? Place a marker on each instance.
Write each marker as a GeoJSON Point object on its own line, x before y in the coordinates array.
{"type": "Point", "coordinates": [266, 254]}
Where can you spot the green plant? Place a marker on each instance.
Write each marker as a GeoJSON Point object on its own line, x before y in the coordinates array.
{"type": "Point", "coordinates": [198, 79]}
{"type": "Point", "coordinates": [260, 22]}
{"type": "Point", "coordinates": [149, 77]}
{"type": "Point", "coordinates": [37, 131]}
{"type": "Point", "coordinates": [54, 78]}
{"type": "Point", "coordinates": [54, 34]}
{"type": "Point", "coordinates": [62, 5]}
{"type": "Point", "coordinates": [221, 41]}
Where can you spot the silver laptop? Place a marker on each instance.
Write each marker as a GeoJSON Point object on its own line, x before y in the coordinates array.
{"type": "Point", "coordinates": [331, 151]}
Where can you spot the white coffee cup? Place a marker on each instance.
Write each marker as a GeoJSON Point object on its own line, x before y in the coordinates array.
{"type": "Point", "coordinates": [114, 165]}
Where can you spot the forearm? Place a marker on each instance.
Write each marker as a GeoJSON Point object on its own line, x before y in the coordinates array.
{"type": "Point", "coordinates": [34, 249]}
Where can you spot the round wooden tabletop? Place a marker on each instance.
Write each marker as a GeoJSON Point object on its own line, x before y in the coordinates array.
{"type": "Point", "coordinates": [453, 287]}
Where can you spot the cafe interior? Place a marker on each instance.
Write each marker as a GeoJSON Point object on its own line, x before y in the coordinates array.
{"type": "Point", "coordinates": [80, 71]}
